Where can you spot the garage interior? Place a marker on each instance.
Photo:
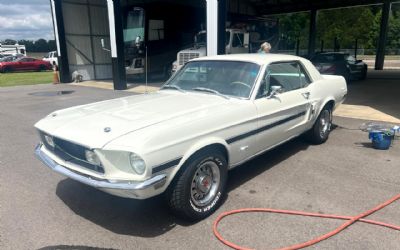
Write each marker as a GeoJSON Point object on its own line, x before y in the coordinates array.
{"type": "Point", "coordinates": [100, 38]}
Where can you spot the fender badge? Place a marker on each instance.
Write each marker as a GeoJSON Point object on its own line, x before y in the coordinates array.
{"type": "Point", "coordinates": [107, 129]}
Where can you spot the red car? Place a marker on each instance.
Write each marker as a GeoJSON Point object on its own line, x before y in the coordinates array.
{"type": "Point", "coordinates": [24, 64]}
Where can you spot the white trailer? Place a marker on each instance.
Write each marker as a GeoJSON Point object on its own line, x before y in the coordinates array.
{"type": "Point", "coordinates": [12, 49]}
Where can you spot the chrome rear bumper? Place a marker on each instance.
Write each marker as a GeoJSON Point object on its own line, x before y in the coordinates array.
{"type": "Point", "coordinates": [128, 189]}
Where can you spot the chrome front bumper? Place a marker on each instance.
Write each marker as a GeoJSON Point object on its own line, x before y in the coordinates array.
{"type": "Point", "coordinates": [129, 189]}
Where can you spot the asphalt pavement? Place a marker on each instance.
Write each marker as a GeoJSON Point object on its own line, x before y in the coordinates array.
{"type": "Point", "coordinates": [40, 209]}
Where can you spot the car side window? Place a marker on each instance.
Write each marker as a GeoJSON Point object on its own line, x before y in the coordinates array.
{"type": "Point", "coordinates": [287, 75]}
{"type": "Point", "coordinates": [304, 78]}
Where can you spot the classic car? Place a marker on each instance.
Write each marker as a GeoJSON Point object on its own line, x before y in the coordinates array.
{"type": "Point", "coordinates": [214, 114]}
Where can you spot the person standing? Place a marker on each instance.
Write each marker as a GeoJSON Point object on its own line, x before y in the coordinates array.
{"type": "Point", "coordinates": [265, 48]}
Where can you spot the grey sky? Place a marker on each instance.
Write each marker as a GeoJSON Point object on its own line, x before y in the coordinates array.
{"type": "Point", "coordinates": [25, 19]}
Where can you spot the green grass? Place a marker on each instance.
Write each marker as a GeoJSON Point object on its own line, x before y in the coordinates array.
{"type": "Point", "coordinates": [25, 78]}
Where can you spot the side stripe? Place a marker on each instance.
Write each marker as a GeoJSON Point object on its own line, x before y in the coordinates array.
{"type": "Point", "coordinates": [166, 165]}
{"type": "Point", "coordinates": [266, 127]}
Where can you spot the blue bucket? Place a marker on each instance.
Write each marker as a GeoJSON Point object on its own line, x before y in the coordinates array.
{"type": "Point", "coordinates": [380, 140]}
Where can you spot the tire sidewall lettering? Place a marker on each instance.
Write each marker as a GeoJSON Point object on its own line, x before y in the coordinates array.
{"type": "Point", "coordinates": [206, 208]}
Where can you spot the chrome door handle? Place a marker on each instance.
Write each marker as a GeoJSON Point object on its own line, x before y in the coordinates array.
{"type": "Point", "coordinates": [306, 95]}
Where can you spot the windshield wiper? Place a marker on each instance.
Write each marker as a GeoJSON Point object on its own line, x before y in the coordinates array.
{"type": "Point", "coordinates": [210, 91]}
{"type": "Point", "coordinates": [173, 87]}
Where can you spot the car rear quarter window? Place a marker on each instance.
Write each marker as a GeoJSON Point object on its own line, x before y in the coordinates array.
{"type": "Point", "coordinates": [289, 75]}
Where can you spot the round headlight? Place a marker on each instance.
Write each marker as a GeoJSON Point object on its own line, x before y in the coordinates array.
{"type": "Point", "coordinates": [92, 158]}
{"type": "Point", "coordinates": [137, 163]}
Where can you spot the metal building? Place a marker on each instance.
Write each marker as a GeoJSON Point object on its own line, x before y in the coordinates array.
{"type": "Point", "coordinates": [98, 38]}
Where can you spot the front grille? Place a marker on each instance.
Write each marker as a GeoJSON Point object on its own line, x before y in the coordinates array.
{"type": "Point", "coordinates": [184, 57]}
{"type": "Point", "coordinates": [70, 152]}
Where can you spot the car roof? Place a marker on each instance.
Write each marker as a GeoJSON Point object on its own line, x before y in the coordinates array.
{"type": "Point", "coordinates": [258, 58]}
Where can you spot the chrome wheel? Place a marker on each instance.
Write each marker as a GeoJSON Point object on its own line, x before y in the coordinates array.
{"type": "Point", "coordinates": [325, 123]}
{"type": "Point", "coordinates": [198, 189]}
{"type": "Point", "coordinates": [205, 183]}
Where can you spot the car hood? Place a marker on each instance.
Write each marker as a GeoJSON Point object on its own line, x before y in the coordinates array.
{"type": "Point", "coordinates": [94, 125]}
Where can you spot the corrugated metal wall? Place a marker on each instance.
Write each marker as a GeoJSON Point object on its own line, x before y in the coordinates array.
{"type": "Point", "coordinates": [86, 23]}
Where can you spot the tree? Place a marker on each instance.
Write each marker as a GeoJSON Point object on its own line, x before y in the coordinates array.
{"type": "Point", "coordinates": [346, 25]}
{"type": "Point", "coordinates": [52, 45]}
{"type": "Point", "coordinates": [41, 45]}
{"type": "Point", "coordinates": [9, 42]}
{"type": "Point", "coordinates": [293, 27]}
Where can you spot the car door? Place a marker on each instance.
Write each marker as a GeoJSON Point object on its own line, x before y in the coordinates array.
{"type": "Point", "coordinates": [285, 113]}
{"type": "Point", "coordinates": [238, 43]}
{"type": "Point", "coordinates": [17, 64]}
{"type": "Point", "coordinates": [22, 64]}
{"type": "Point", "coordinates": [33, 64]}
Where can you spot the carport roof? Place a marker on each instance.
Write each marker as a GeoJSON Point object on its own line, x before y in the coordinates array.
{"type": "Point", "coordinates": [287, 6]}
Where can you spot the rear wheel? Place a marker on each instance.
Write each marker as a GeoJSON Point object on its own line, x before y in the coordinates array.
{"type": "Point", "coordinates": [319, 133]}
{"type": "Point", "coordinates": [198, 189]}
{"type": "Point", "coordinates": [364, 74]}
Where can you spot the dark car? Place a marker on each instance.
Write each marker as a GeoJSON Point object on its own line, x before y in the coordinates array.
{"type": "Point", "coordinates": [25, 64]}
{"type": "Point", "coordinates": [338, 63]}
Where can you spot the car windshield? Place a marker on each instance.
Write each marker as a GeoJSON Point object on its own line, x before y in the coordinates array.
{"type": "Point", "coordinates": [227, 78]}
{"type": "Point", "coordinates": [7, 59]}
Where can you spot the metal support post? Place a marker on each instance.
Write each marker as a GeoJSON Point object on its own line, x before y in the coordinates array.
{"type": "Point", "coordinates": [59, 32]}
{"type": "Point", "coordinates": [117, 44]}
{"type": "Point", "coordinates": [221, 26]}
{"type": "Point", "coordinates": [212, 27]}
{"type": "Point", "coordinates": [380, 52]}
{"type": "Point", "coordinates": [312, 32]}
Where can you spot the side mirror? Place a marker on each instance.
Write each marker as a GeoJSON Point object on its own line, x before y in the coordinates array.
{"type": "Point", "coordinates": [275, 90]}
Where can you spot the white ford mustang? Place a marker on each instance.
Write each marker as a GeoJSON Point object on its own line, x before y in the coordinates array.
{"type": "Point", "coordinates": [212, 115]}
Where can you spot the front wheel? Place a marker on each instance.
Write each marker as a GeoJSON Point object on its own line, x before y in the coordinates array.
{"type": "Point", "coordinates": [319, 133]}
{"type": "Point", "coordinates": [198, 189]}
{"type": "Point", "coordinates": [364, 74]}
{"type": "Point", "coordinates": [7, 70]}
{"type": "Point", "coordinates": [42, 68]}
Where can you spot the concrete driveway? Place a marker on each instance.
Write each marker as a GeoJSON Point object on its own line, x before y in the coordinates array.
{"type": "Point", "coordinates": [40, 209]}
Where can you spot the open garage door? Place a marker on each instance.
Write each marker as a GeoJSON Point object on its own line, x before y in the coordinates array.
{"type": "Point", "coordinates": [86, 23]}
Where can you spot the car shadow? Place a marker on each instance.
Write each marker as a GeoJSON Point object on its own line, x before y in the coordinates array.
{"type": "Point", "coordinates": [72, 247]}
{"type": "Point", "coordinates": [264, 162]}
{"type": "Point", "coordinates": [144, 218]}
{"type": "Point", "coordinates": [151, 217]}
{"type": "Point", "coordinates": [364, 144]}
